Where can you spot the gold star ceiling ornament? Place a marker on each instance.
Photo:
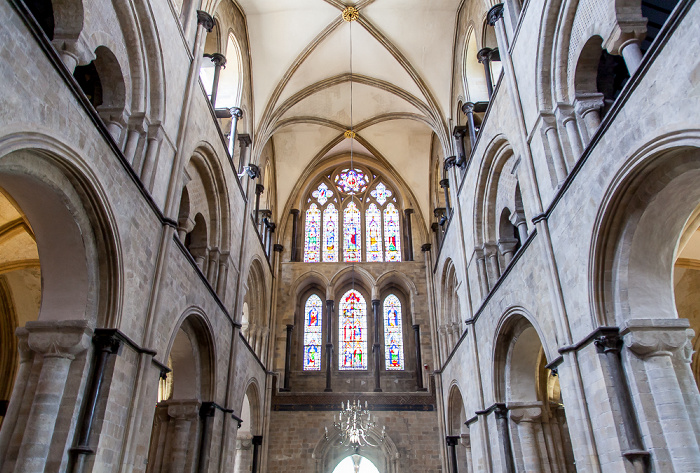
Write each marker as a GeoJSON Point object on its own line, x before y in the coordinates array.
{"type": "Point", "coordinates": [350, 14]}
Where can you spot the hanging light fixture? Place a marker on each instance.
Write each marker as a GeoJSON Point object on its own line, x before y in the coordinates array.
{"type": "Point", "coordinates": [354, 425]}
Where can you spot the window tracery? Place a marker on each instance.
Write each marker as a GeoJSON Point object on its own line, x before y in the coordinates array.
{"type": "Point", "coordinates": [370, 213]}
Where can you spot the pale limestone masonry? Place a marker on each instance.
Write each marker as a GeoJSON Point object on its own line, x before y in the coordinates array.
{"type": "Point", "coordinates": [551, 307]}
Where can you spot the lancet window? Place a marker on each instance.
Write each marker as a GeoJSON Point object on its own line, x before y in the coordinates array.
{"type": "Point", "coordinates": [352, 331]}
{"type": "Point", "coordinates": [352, 216]}
{"type": "Point", "coordinates": [313, 318]}
{"type": "Point", "coordinates": [393, 334]}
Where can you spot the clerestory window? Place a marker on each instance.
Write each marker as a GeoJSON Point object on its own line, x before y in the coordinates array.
{"type": "Point", "coordinates": [354, 215]}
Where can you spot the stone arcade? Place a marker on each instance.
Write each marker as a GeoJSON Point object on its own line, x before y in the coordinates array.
{"type": "Point", "coordinates": [221, 219]}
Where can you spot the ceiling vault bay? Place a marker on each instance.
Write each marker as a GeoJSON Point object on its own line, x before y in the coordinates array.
{"type": "Point", "coordinates": [297, 104]}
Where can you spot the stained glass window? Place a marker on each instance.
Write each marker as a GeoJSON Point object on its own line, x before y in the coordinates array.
{"type": "Point", "coordinates": [381, 193]}
{"type": "Point", "coordinates": [353, 330]}
{"type": "Point", "coordinates": [352, 243]}
{"type": "Point", "coordinates": [312, 245]}
{"type": "Point", "coordinates": [322, 194]}
{"type": "Point", "coordinates": [313, 316]}
{"type": "Point", "coordinates": [393, 333]}
{"type": "Point", "coordinates": [373, 222]}
{"type": "Point", "coordinates": [351, 181]}
{"type": "Point", "coordinates": [330, 234]}
{"type": "Point", "coordinates": [392, 234]}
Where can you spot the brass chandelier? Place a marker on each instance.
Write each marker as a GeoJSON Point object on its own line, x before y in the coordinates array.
{"type": "Point", "coordinates": [354, 425]}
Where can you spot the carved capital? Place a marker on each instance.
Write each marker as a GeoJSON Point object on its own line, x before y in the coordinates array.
{"type": "Point", "coordinates": [63, 339]}
{"type": "Point", "coordinates": [526, 414]}
{"type": "Point", "coordinates": [495, 14]}
{"type": "Point", "coordinates": [608, 344]}
{"type": "Point", "coordinates": [278, 248]}
{"type": "Point", "coordinates": [245, 140]}
{"type": "Point", "coordinates": [627, 30]}
{"type": "Point", "coordinates": [426, 247]}
{"type": "Point", "coordinates": [445, 183]}
{"type": "Point", "coordinates": [468, 108]}
{"type": "Point", "coordinates": [452, 440]}
{"type": "Point", "coordinates": [655, 337]}
{"type": "Point", "coordinates": [206, 20]}
{"type": "Point", "coordinates": [236, 112]}
{"type": "Point", "coordinates": [484, 54]}
{"type": "Point", "coordinates": [586, 103]}
{"type": "Point", "coordinates": [450, 161]}
{"type": "Point", "coordinates": [218, 59]}
{"type": "Point", "coordinates": [184, 410]}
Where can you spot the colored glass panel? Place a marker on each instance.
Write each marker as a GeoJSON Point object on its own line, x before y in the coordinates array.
{"type": "Point", "coordinates": [353, 331]}
{"type": "Point", "coordinates": [330, 234]}
{"type": "Point", "coordinates": [312, 241]}
{"type": "Point", "coordinates": [381, 193]}
{"type": "Point", "coordinates": [351, 181]}
{"type": "Point", "coordinates": [322, 194]}
{"type": "Point", "coordinates": [393, 333]}
{"type": "Point", "coordinates": [352, 244]}
{"type": "Point", "coordinates": [313, 317]}
{"type": "Point", "coordinates": [392, 234]}
{"type": "Point", "coordinates": [373, 221]}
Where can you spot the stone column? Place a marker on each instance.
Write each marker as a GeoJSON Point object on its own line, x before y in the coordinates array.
{"type": "Point", "coordinates": [655, 343]}
{"type": "Point", "coordinates": [245, 143]}
{"type": "Point", "coordinates": [207, 413]}
{"type": "Point", "coordinates": [419, 359]}
{"type": "Point", "coordinates": [58, 343]}
{"type": "Point", "coordinates": [257, 442]}
{"type": "Point", "coordinates": [445, 185]}
{"type": "Point", "coordinates": [549, 128]}
{"type": "Point", "coordinates": [507, 248]}
{"type": "Point", "coordinates": [147, 172]}
{"type": "Point", "coordinates": [632, 54]}
{"type": "Point", "coordinates": [329, 344]}
{"type": "Point", "coordinates": [568, 119]}
{"type": "Point", "coordinates": [259, 189]}
{"type": "Point", "coordinates": [492, 266]}
{"type": "Point", "coordinates": [26, 357]}
{"type": "Point", "coordinates": [468, 110]}
{"type": "Point", "coordinates": [213, 266]}
{"type": "Point", "coordinates": [271, 226]}
{"type": "Point", "coordinates": [458, 134]}
{"type": "Point", "coordinates": [236, 114]}
{"type": "Point", "coordinates": [409, 233]}
{"type": "Point", "coordinates": [518, 219]}
{"type": "Point", "coordinates": [452, 441]}
{"type": "Point", "coordinates": [376, 347]}
{"type": "Point", "coordinates": [588, 107]}
{"type": "Point", "coordinates": [288, 358]}
{"type": "Point", "coordinates": [136, 129]}
{"type": "Point", "coordinates": [434, 227]}
{"type": "Point", "coordinates": [466, 441]}
{"type": "Point", "coordinates": [611, 345]}
{"type": "Point", "coordinates": [106, 343]}
{"type": "Point", "coordinates": [501, 413]}
{"type": "Point", "coordinates": [528, 420]}
{"type": "Point", "coordinates": [219, 61]}
{"type": "Point", "coordinates": [222, 276]}
{"type": "Point", "coordinates": [484, 57]}
{"type": "Point", "coordinates": [481, 270]}
{"type": "Point", "coordinates": [181, 414]}
{"type": "Point", "coordinates": [295, 232]}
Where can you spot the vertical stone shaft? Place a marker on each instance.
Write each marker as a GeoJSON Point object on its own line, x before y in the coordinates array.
{"type": "Point", "coordinates": [376, 347]}
{"type": "Point", "coordinates": [419, 359]}
{"type": "Point", "coordinates": [329, 344]}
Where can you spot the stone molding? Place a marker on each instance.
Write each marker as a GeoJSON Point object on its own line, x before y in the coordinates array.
{"type": "Point", "coordinates": [183, 410]}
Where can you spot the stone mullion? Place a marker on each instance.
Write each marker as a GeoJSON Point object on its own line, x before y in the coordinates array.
{"type": "Point", "coordinates": [26, 358]}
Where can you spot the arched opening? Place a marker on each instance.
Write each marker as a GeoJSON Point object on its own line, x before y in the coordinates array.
{"type": "Point", "coordinates": [356, 464]}
{"type": "Point", "coordinates": [250, 411]}
{"type": "Point", "coordinates": [43, 14]}
{"type": "Point", "coordinates": [102, 82]}
{"type": "Point", "coordinates": [230, 81]}
{"type": "Point", "coordinates": [196, 241]}
{"type": "Point", "coordinates": [537, 428]}
{"type": "Point", "coordinates": [20, 289]}
{"type": "Point", "coordinates": [686, 282]}
{"type": "Point", "coordinates": [456, 428]}
{"type": "Point", "coordinates": [177, 425]}
{"type": "Point", "coordinates": [474, 78]}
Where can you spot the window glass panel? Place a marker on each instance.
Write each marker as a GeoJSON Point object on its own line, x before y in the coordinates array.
{"type": "Point", "coordinates": [393, 333]}
{"type": "Point", "coordinates": [353, 329]}
{"type": "Point", "coordinates": [322, 194]}
{"type": "Point", "coordinates": [373, 222]}
{"type": "Point", "coordinates": [330, 234]}
{"type": "Point", "coordinates": [352, 245]}
{"type": "Point", "coordinates": [313, 315]}
{"type": "Point", "coordinates": [351, 181]}
{"type": "Point", "coordinates": [381, 193]}
{"type": "Point", "coordinates": [312, 245]}
{"type": "Point", "coordinates": [392, 234]}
